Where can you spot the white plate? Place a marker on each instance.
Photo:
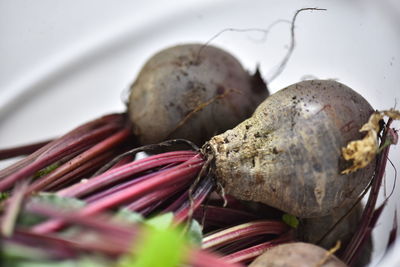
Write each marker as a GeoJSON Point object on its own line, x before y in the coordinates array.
{"type": "Point", "coordinates": [63, 63]}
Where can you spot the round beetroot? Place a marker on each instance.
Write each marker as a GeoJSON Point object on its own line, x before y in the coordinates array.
{"type": "Point", "coordinates": [192, 91]}
{"type": "Point", "coordinates": [288, 154]}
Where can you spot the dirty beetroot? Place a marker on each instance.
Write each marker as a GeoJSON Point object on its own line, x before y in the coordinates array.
{"type": "Point", "coordinates": [272, 177]}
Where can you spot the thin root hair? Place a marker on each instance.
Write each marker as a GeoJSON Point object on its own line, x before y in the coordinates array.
{"type": "Point", "coordinates": [292, 45]}
{"type": "Point", "coordinates": [241, 30]}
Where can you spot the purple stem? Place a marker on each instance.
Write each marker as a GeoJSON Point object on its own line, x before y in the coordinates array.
{"type": "Point", "coordinates": [184, 172]}
{"type": "Point", "coordinates": [49, 158]}
{"type": "Point", "coordinates": [244, 243]}
{"type": "Point", "coordinates": [62, 141]}
{"type": "Point", "coordinates": [125, 160]}
{"type": "Point", "coordinates": [52, 242]}
{"type": "Point", "coordinates": [120, 187]}
{"type": "Point", "coordinates": [13, 209]}
{"type": "Point", "coordinates": [367, 234]}
{"type": "Point", "coordinates": [183, 201]}
{"type": "Point", "coordinates": [21, 150]}
{"type": "Point", "coordinates": [69, 247]}
{"type": "Point", "coordinates": [201, 258]}
{"type": "Point", "coordinates": [199, 195]}
{"type": "Point", "coordinates": [85, 170]}
{"type": "Point", "coordinates": [152, 198]}
{"type": "Point", "coordinates": [367, 216]}
{"type": "Point", "coordinates": [249, 254]}
{"type": "Point", "coordinates": [81, 131]}
{"type": "Point", "coordinates": [117, 174]}
{"type": "Point", "coordinates": [221, 217]}
{"type": "Point", "coordinates": [393, 232]}
{"type": "Point", "coordinates": [100, 223]}
{"type": "Point", "coordinates": [54, 177]}
{"type": "Point", "coordinates": [242, 231]}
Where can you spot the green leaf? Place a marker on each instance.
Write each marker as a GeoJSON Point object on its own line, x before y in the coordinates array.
{"type": "Point", "coordinates": [63, 203]}
{"type": "Point", "coordinates": [4, 195]}
{"type": "Point", "coordinates": [161, 244]}
{"type": "Point", "coordinates": [194, 234]}
{"type": "Point", "coordinates": [163, 221]}
{"type": "Point", "coordinates": [159, 247]}
{"type": "Point", "coordinates": [52, 200]}
{"type": "Point", "coordinates": [290, 220]}
{"type": "Point", "coordinates": [128, 216]}
{"type": "Point", "coordinates": [46, 170]}
{"type": "Point", "coordinates": [15, 252]}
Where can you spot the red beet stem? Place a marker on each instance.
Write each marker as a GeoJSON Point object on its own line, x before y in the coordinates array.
{"type": "Point", "coordinates": [152, 198]}
{"type": "Point", "coordinates": [221, 217]}
{"type": "Point", "coordinates": [367, 216]}
{"type": "Point", "coordinates": [52, 242]}
{"type": "Point", "coordinates": [393, 233]}
{"type": "Point", "coordinates": [21, 150]}
{"type": "Point", "coordinates": [199, 195]}
{"type": "Point", "coordinates": [23, 162]}
{"type": "Point", "coordinates": [249, 254]}
{"type": "Point", "coordinates": [99, 223]}
{"type": "Point", "coordinates": [12, 210]}
{"type": "Point", "coordinates": [48, 158]}
{"type": "Point", "coordinates": [116, 188]}
{"type": "Point", "coordinates": [65, 139]}
{"type": "Point", "coordinates": [201, 258]}
{"type": "Point", "coordinates": [126, 184]}
{"type": "Point", "coordinates": [104, 145]}
{"type": "Point", "coordinates": [242, 231]}
{"type": "Point", "coordinates": [186, 171]}
{"type": "Point", "coordinates": [121, 162]}
{"type": "Point", "coordinates": [84, 170]}
{"type": "Point", "coordinates": [117, 174]}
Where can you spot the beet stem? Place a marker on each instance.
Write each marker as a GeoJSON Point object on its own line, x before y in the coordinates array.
{"type": "Point", "coordinates": [187, 209]}
{"type": "Point", "coordinates": [182, 172]}
{"type": "Point", "coordinates": [251, 253]}
{"type": "Point", "coordinates": [221, 217]}
{"type": "Point", "coordinates": [146, 148]}
{"type": "Point", "coordinates": [63, 140]}
{"type": "Point", "coordinates": [393, 232]}
{"type": "Point", "coordinates": [367, 216]}
{"type": "Point", "coordinates": [49, 158]}
{"type": "Point", "coordinates": [74, 163]}
{"type": "Point", "coordinates": [12, 209]}
{"type": "Point", "coordinates": [119, 187]}
{"type": "Point", "coordinates": [115, 175]}
{"type": "Point", "coordinates": [152, 198]}
{"type": "Point", "coordinates": [53, 242]}
{"type": "Point", "coordinates": [201, 258]}
{"type": "Point", "coordinates": [84, 170]}
{"type": "Point", "coordinates": [242, 231]}
{"type": "Point", "coordinates": [22, 150]}
{"type": "Point", "coordinates": [99, 223]}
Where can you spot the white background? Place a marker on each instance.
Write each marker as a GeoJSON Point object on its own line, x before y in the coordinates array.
{"type": "Point", "coordinates": [65, 62]}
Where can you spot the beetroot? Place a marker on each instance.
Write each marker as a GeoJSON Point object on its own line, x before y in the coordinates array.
{"type": "Point", "coordinates": [288, 154]}
{"type": "Point", "coordinates": [193, 92]}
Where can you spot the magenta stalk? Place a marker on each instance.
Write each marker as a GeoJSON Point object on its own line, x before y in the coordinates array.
{"type": "Point", "coordinates": [184, 172]}
{"type": "Point", "coordinates": [96, 150]}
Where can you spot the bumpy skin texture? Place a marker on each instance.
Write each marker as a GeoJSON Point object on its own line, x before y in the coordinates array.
{"type": "Point", "coordinates": [296, 255]}
{"type": "Point", "coordinates": [178, 80]}
{"type": "Point", "coordinates": [288, 154]}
